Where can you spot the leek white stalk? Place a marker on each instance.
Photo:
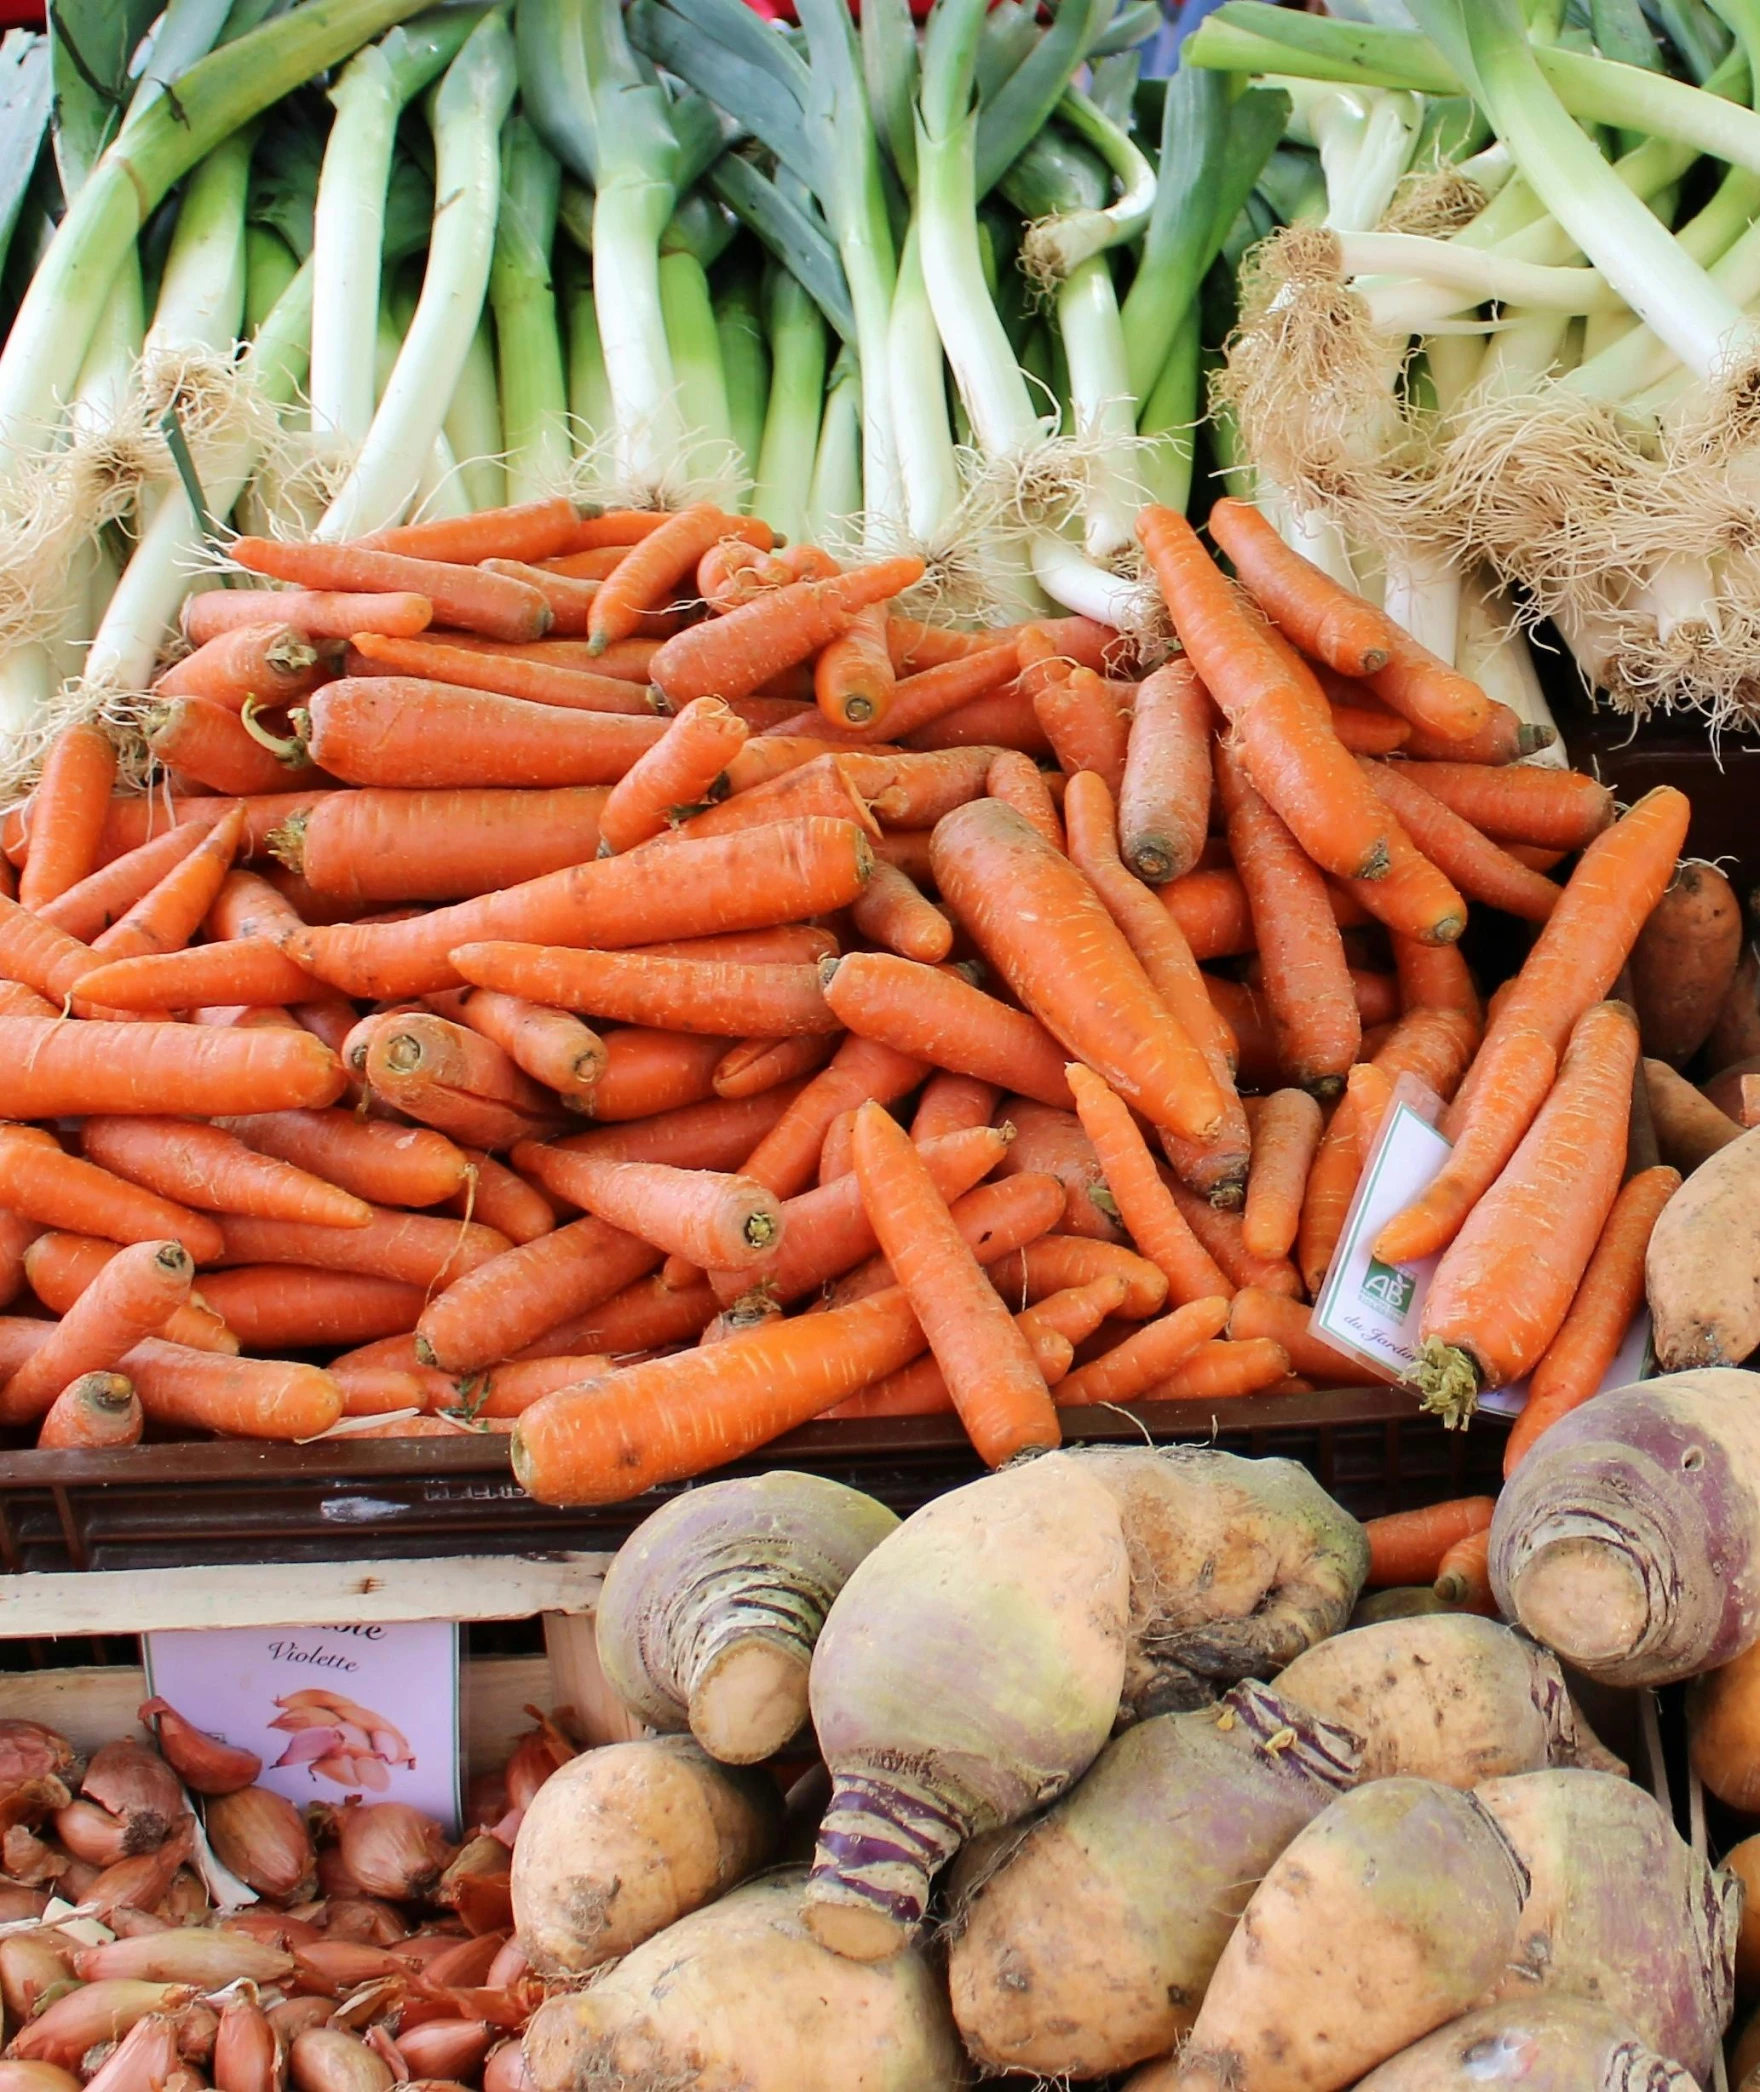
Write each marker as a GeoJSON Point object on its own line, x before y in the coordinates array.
{"type": "Point", "coordinates": [467, 110]}
{"type": "Point", "coordinates": [201, 292]}
{"type": "Point", "coordinates": [528, 340]}
{"type": "Point", "coordinates": [1105, 412]}
{"type": "Point", "coordinates": [834, 500]}
{"type": "Point", "coordinates": [707, 453]}
{"type": "Point", "coordinates": [917, 373]}
{"type": "Point", "coordinates": [792, 416]}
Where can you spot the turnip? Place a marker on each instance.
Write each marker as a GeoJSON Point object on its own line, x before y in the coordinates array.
{"type": "Point", "coordinates": [741, 1998]}
{"type": "Point", "coordinates": [1619, 1911]}
{"type": "Point", "coordinates": [1389, 1915]}
{"type": "Point", "coordinates": [969, 1671]}
{"type": "Point", "coordinates": [1629, 1538]}
{"type": "Point", "coordinates": [1237, 1566]}
{"type": "Point", "coordinates": [712, 1606]}
{"type": "Point", "coordinates": [1545, 2044]}
{"type": "Point", "coordinates": [1084, 1943]}
{"type": "Point", "coordinates": [621, 1841]}
{"type": "Point", "coordinates": [1447, 1697]}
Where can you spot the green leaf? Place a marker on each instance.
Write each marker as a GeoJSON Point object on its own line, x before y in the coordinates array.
{"type": "Point", "coordinates": [1022, 106]}
{"type": "Point", "coordinates": [24, 116]}
{"type": "Point", "coordinates": [92, 44]}
{"type": "Point", "coordinates": [795, 236]}
{"type": "Point", "coordinates": [1133, 24]}
{"type": "Point", "coordinates": [755, 96]}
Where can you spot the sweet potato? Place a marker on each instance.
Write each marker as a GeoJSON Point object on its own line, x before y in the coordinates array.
{"type": "Point", "coordinates": [1619, 1909]}
{"type": "Point", "coordinates": [1689, 1127]}
{"type": "Point", "coordinates": [1743, 1861]}
{"type": "Point", "coordinates": [1735, 1035]}
{"type": "Point", "coordinates": [1724, 1089]}
{"type": "Point", "coordinates": [1545, 2044]}
{"type": "Point", "coordinates": [741, 1998]}
{"type": "Point", "coordinates": [1744, 2056]}
{"type": "Point", "coordinates": [1628, 1541]}
{"type": "Point", "coordinates": [1702, 1269]}
{"type": "Point", "coordinates": [1237, 1566]}
{"type": "Point", "coordinates": [620, 1842]}
{"type": "Point", "coordinates": [1723, 1727]}
{"type": "Point", "coordinates": [1684, 961]}
{"type": "Point", "coordinates": [1389, 1915]}
{"type": "Point", "coordinates": [1452, 1697]}
{"type": "Point", "coordinates": [969, 1671]}
{"type": "Point", "coordinates": [1086, 1944]}
{"type": "Point", "coordinates": [712, 1606]}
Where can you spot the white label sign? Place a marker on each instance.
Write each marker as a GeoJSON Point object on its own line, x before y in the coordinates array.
{"type": "Point", "coordinates": [370, 1711]}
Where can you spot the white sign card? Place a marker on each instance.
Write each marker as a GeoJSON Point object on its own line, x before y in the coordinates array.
{"type": "Point", "coordinates": [1372, 1310]}
{"type": "Point", "coordinates": [370, 1711]}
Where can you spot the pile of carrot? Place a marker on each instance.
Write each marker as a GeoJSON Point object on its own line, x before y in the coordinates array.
{"type": "Point", "coordinates": [619, 979]}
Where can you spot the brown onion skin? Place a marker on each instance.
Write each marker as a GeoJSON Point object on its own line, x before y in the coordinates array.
{"type": "Point", "coordinates": [263, 1839]}
{"type": "Point", "coordinates": [506, 2070]}
{"type": "Point", "coordinates": [201, 1761]}
{"type": "Point", "coordinates": [34, 1764]}
{"type": "Point", "coordinates": [325, 2059]}
{"type": "Point", "coordinates": [135, 1784]}
{"type": "Point", "coordinates": [247, 2056]}
{"type": "Point", "coordinates": [392, 1850]}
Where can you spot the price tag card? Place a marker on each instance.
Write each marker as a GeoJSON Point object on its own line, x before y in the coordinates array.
{"type": "Point", "coordinates": [370, 1711]}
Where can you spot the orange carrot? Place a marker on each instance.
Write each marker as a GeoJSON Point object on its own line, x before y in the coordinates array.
{"type": "Point", "coordinates": [1559, 809]}
{"type": "Point", "coordinates": [202, 1166]}
{"type": "Point", "coordinates": [952, 1104]}
{"type": "Point", "coordinates": [995, 1383]}
{"type": "Point", "coordinates": [1463, 1576]}
{"type": "Point", "coordinates": [243, 1397]}
{"type": "Point", "coordinates": [456, 1080]}
{"type": "Point", "coordinates": [1036, 917]}
{"type": "Point", "coordinates": [1018, 780]}
{"type": "Point", "coordinates": [621, 527]}
{"type": "Point", "coordinates": [1146, 1358]}
{"type": "Point", "coordinates": [1407, 1547]}
{"type": "Point", "coordinates": [1612, 1290]}
{"type": "Point", "coordinates": [1412, 898]}
{"type": "Point", "coordinates": [823, 789]}
{"type": "Point", "coordinates": [568, 593]}
{"type": "Point", "coordinates": [555, 1049]}
{"type": "Point", "coordinates": [1004, 719]}
{"type": "Point", "coordinates": [510, 1390]}
{"type": "Point", "coordinates": [915, 790]}
{"type": "Point", "coordinates": [1053, 1141]}
{"type": "Point", "coordinates": [507, 1302]}
{"type": "Point", "coordinates": [108, 893]}
{"type": "Point", "coordinates": [993, 1221]}
{"type": "Point", "coordinates": [385, 1164]}
{"type": "Point", "coordinates": [93, 1413]}
{"type": "Point", "coordinates": [1366, 732]}
{"type": "Point", "coordinates": [1220, 1371]}
{"type": "Point", "coordinates": [17, 1236]}
{"type": "Point", "coordinates": [642, 1316]}
{"type": "Point", "coordinates": [1469, 859]}
{"type": "Point", "coordinates": [246, 969]}
{"type": "Point", "coordinates": [890, 911]}
{"type": "Point", "coordinates": [1286, 1133]}
{"type": "Point", "coordinates": [1255, 1312]}
{"type": "Point", "coordinates": [1218, 1230]}
{"type": "Point", "coordinates": [165, 919]}
{"type": "Point", "coordinates": [526, 530]}
{"type": "Point", "coordinates": [732, 572]}
{"type": "Point", "coordinates": [270, 665]}
{"type": "Point", "coordinates": [782, 944]}
{"type": "Point", "coordinates": [654, 1071]}
{"type": "Point", "coordinates": [937, 1016]}
{"type": "Point", "coordinates": [853, 678]}
{"type": "Point", "coordinates": [629, 661]}
{"type": "Point", "coordinates": [1504, 738]}
{"type": "Point", "coordinates": [648, 572]}
{"type": "Point", "coordinates": [1435, 977]}
{"type": "Point", "coordinates": [837, 1156]}
{"type": "Point", "coordinates": [1210, 908]}
{"type": "Point", "coordinates": [1164, 799]}
{"type": "Point", "coordinates": [1087, 727]}
{"type": "Point", "coordinates": [672, 994]}
{"type": "Point", "coordinates": [502, 1199]}
{"type": "Point", "coordinates": [787, 1157]}
{"type": "Point", "coordinates": [1307, 982]}
{"type": "Point", "coordinates": [62, 1266]}
{"type": "Point", "coordinates": [543, 682]}
{"type": "Point", "coordinates": [1503, 1287]}
{"type": "Point", "coordinates": [1371, 1097]}
{"type": "Point", "coordinates": [920, 1389]}
{"type": "Point", "coordinates": [58, 1190]}
{"type": "Point", "coordinates": [420, 1249]}
{"type": "Point", "coordinates": [1285, 740]}
{"type": "Point", "coordinates": [376, 846]}
{"type": "Point", "coordinates": [1145, 1205]}
{"type": "Point", "coordinates": [1057, 1262]}
{"type": "Point", "coordinates": [715, 1220]}
{"type": "Point", "coordinates": [675, 778]}
{"type": "Point", "coordinates": [318, 614]}
{"type": "Point", "coordinates": [213, 745]}
{"type": "Point", "coordinates": [916, 646]}
{"type": "Point", "coordinates": [734, 655]}
{"type": "Point", "coordinates": [462, 596]}
{"type": "Point", "coordinates": [42, 957]}
{"type": "Point", "coordinates": [755, 1066]}
{"type": "Point", "coordinates": [735, 882]}
{"type": "Point", "coordinates": [67, 813]}
{"type": "Point", "coordinates": [135, 1294]}
{"type": "Point", "coordinates": [285, 1307]}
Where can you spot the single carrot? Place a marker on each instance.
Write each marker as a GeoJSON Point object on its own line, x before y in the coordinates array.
{"type": "Point", "coordinates": [952, 1104]}
{"type": "Point", "coordinates": [1243, 1009]}
{"type": "Point", "coordinates": [461, 595]}
{"type": "Point", "coordinates": [1371, 1097]}
{"type": "Point", "coordinates": [1435, 977]}
{"type": "Point", "coordinates": [1145, 1205]}
{"type": "Point", "coordinates": [92, 1414]}
{"type": "Point", "coordinates": [1463, 1576]}
{"type": "Point", "coordinates": [1504, 738]}
{"type": "Point", "coordinates": [909, 850]}
{"type": "Point", "coordinates": [1221, 1371]}
{"type": "Point", "coordinates": [1210, 908]}
{"type": "Point", "coordinates": [67, 813]}
{"type": "Point", "coordinates": [1286, 1133]}
{"type": "Point", "coordinates": [61, 1266]}
{"type": "Point", "coordinates": [647, 573]}
{"type": "Point", "coordinates": [368, 847]}
{"type": "Point", "coordinates": [1408, 1547]}
{"type": "Point", "coordinates": [214, 745]}
{"type": "Point", "coordinates": [734, 655]}
{"type": "Point", "coordinates": [622, 527]}
{"type": "Point", "coordinates": [755, 1066]}
{"type": "Point", "coordinates": [58, 1190]}
{"type": "Point", "coordinates": [824, 788]}
{"type": "Point", "coordinates": [167, 917]}
{"type": "Point", "coordinates": [552, 683]}
{"type": "Point", "coordinates": [916, 645]}
{"type": "Point", "coordinates": [1412, 898]}
{"type": "Point", "coordinates": [502, 1199]}
{"type": "Point", "coordinates": [922, 700]}
{"type": "Point", "coordinates": [914, 790]}
{"type": "Point", "coordinates": [892, 912]}
{"type": "Point", "coordinates": [245, 969]}
{"type": "Point", "coordinates": [569, 593]}
{"type": "Point", "coordinates": [1459, 851]}
{"type": "Point", "coordinates": [271, 665]}
{"type": "Point", "coordinates": [1144, 1359]}
{"type": "Point", "coordinates": [1087, 727]}
{"type": "Point", "coordinates": [674, 778]}
{"type": "Point", "coordinates": [937, 1016]}
{"type": "Point", "coordinates": [629, 661]}
{"type": "Point", "coordinates": [50, 1069]}
{"type": "Point", "coordinates": [1218, 1231]}
{"type": "Point", "coordinates": [1164, 799]}
{"type": "Point", "coordinates": [1503, 1287]}
{"type": "Point", "coordinates": [37, 954]}
{"type": "Point", "coordinates": [672, 994]}
{"type": "Point", "coordinates": [241, 1397]}
{"type": "Point", "coordinates": [1040, 922]}
{"type": "Point", "coordinates": [837, 1155]}
{"type": "Point", "coordinates": [1004, 719]}
{"type": "Point", "coordinates": [718, 1221]}
{"type": "Point", "coordinates": [787, 1157]}
{"type": "Point", "coordinates": [286, 1307]}
{"type": "Point", "coordinates": [649, 1072]}
{"type": "Point", "coordinates": [643, 1316]}
{"type": "Point", "coordinates": [451, 1078]}
{"type": "Point", "coordinates": [510, 1390]}
{"type": "Point", "coordinates": [383, 1163]}
{"type": "Point", "coordinates": [995, 1383]}
{"type": "Point", "coordinates": [1285, 741]}
{"type": "Point", "coordinates": [1574, 961]}
{"type": "Point", "coordinates": [1256, 1312]}
{"type": "Point", "coordinates": [135, 1294]}
{"type": "Point", "coordinates": [1577, 1360]}
{"type": "Point", "coordinates": [1018, 781]}
{"type": "Point", "coordinates": [993, 1221]}
{"type": "Point", "coordinates": [105, 895]}
{"type": "Point", "coordinates": [525, 530]}
{"type": "Point", "coordinates": [782, 944]}
{"type": "Point", "coordinates": [420, 1249]}
{"type": "Point", "coordinates": [1559, 809]}
{"type": "Point", "coordinates": [1306, 979]}
{"type": "Point", "coordinates": [510, 1300]}
{"type": "Point", "coordinates": [853, 678]}
{"type": "Point", "coordinates": [735, 882]}
{"type": "Point", "coordinates": [1366, 732]}
{"type": "Point", "coordinates": [555, 1049]}
{"type": "Point", "coordinates": [248, 905]}
{"type": "Point", "coordinates": [1056, 1262]}
{"type": "Point", "coordinates": [202, 1166]}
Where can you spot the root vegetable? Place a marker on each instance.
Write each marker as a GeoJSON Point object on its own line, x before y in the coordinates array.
{"type": "Point", "coordinates": [1723, 1723]}
{"type": "Point", "coordinates": [329, 2059]}
{"type": "Point", "coordinates": [263, 1839]}
{"type": "Point", "coordinates": [1546, 2044]}
{"type": "Point", "coordinates": [1743, 1861]}
{"type": "Point", "coordinates": [969, 1671]}
{"type": "Point", "coordinates": [710, 1611]}
{"type": "Point", "coordinates": [1702, 1270]}
{"type": "Point", "coordinates": [32, 1761]}
{"type": "Point", "coordinates": [139, 1789]}
{"type": "Point", "coordinates": [201, 1761]}
{"type": "Point", "coordinates": [1391, 1913]}
{"type": "Point", "coordinates": [1689, 1127]}
{"type": "Point", "coordinates": [1629, 1539]}
{"type": "Point", "coordinates": [741, 1998]}
{"type": "Point", "coordinates": [1684, 961]}
{"type": "Point", "coordinates": [1237, 1566]}
{"type": "Point", "coordinates": [186, 1954]}
{"type": "Point", "coordinates": [93, 2013]}
{"type": "Point", "coordinates": [1450, 1697]}
{"type": "Point", "coordinates": [1619, 1910]}
{"type": "Point", "coordinates": [623, 1841]}
{"type": "Point", "coordinates": [1086, 1944]}
{"type": "Point", "coordinates": [390, 1849]}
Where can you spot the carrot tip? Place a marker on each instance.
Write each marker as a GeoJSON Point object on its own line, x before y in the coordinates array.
{"type": "Point", "coordinates": [1447, 1381]}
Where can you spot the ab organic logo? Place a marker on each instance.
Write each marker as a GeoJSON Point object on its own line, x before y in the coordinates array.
{"type": "Point", "coordinates": [1387, 1287]}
